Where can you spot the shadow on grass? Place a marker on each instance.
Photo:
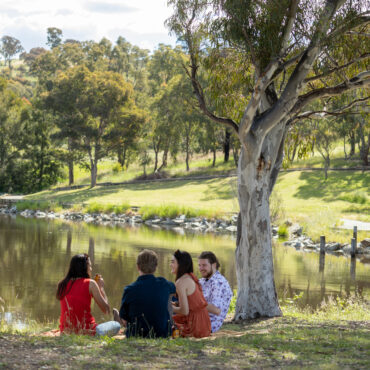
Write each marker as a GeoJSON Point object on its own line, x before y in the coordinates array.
{"type": "Point", "coordinates": [215, 190]}
{"type": "Point", "coordinates": [315, 186]}
{"type": "Point", "coordinates": [270, 343]}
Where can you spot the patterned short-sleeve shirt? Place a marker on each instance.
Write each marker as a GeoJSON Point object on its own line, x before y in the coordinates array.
{"type": "Point", "coordinates": [217, 291]}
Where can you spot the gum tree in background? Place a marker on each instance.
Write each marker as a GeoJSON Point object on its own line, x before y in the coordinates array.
{"type": "Point", "coordinates": [268, 61]}
{"type": "Point", "coordinates": [10, 46]}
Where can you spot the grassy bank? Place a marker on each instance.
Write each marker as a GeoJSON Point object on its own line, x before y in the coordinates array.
{"type": "Point", "coordinates": [302, 196]}
{"type": "Point", "coordinates": [337, 335]}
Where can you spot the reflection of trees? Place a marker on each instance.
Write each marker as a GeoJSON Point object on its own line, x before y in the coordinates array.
{"type": "Point", "coordinates": [91, 251]}
{"type": "Point", "coordinates": [35, 254]}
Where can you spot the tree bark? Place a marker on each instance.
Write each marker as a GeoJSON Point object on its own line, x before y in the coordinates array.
{"type": "Point", "coordinates": [255, 273]}
{"type": "Point", "coordinates": [214, 157]}
{"type": "Point", "coordinates": [352, 141]}
{"type": "Point", "coordinates": [364, 148]}
{"type": "Point", "coordinates": [187, 153]}
{"type": "Point", "coordinates": [227, 145]}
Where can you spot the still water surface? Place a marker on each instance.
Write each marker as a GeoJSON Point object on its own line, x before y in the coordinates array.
{"type": "Point", "coordinates": [35, 254]}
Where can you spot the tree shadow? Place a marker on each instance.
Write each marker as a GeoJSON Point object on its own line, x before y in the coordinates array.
{"type": "Point", "coordinates": [214, 191]}
{"type": "Point", "coordinates": [315, 186]}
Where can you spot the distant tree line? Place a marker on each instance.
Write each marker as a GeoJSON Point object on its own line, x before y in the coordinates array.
{"type": "Point", "coordinates": [82, 101]}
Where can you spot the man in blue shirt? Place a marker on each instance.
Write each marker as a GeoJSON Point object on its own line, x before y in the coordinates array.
{"type": "Point", "coordinates": [144, 307]}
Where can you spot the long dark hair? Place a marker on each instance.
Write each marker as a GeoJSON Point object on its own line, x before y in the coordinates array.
{"type": "Point", "coordinates": [185, 263]}
{"type": "Point", "coordinates": [77, 269]}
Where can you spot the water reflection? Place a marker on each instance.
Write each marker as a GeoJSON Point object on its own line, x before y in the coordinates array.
{"type": "Point", "coordinates": [35, 254]}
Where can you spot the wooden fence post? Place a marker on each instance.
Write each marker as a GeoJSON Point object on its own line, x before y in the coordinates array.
{"type": "Point", "coordinates": [355, 233]}
{"type": "Point", "coordinates": [322, 244]}
{"type": "Point", "coordinates": [353, 247]}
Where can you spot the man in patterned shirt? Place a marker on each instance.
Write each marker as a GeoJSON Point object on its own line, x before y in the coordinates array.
{"type": "Point", "coordinates": [216, 289]}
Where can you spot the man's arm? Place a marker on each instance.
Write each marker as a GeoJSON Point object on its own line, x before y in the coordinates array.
{"type": "Point", "coordinates": [211, 308]}
{"type": "Point", "coordinates": [123, 312]}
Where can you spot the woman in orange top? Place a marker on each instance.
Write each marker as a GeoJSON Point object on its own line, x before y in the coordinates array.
{"type": "Point", "coordinates": [75, 292]}
{"type": "Point", "coordinates": [191, 315]}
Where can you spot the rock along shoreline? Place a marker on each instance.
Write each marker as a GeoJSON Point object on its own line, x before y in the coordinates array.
{"type": "Point", "coordinates": [182, 225]}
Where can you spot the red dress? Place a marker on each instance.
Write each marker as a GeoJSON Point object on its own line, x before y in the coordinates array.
{"type": "Point", "coordinates": [75, 309]}
{"type": "Point", "coordinates": [197, 323]}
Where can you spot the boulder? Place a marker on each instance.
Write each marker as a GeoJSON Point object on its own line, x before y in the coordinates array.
{"type": "Point", "coordinates": [179, 221]}
{"type": "Point", "coordinates": [40, 214]}
{"type": "Point", "coordinates": [231, 229]}
{"type": "Point", "coordinates": [298, 245]}
{"type": "Point", "coordinates": [332, 247]}
{"type": "Point", "coordinates": [347, 249]}
{"type": "Point", "coordinates": [365, 243]}
{"type": "Point", "coordinates": [296, 230]}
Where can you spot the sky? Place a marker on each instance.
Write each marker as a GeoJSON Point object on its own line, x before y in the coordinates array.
{"type": "Point", "coordinates": [141, 22]}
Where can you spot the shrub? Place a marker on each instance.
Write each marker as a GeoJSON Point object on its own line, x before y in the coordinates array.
{"type": "Point", "coordinates": [283, 231]}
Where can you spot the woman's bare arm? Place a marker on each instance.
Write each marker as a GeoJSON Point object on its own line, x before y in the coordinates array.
{"type": "Point", "coordinates": [99, 295]}
{"type": "Point", "coordinates": [184, 286]}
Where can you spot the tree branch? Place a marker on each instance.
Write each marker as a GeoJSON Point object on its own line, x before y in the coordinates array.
{"type": "Point", "coordinates": [317, 77]}
{"type": "Point", "coordinates": [292, 12]}
{"type": "Point", "coordinates": [197, 86]}
{"type": "Point", "coordinates": [273, 116]}
{"type": "Point", "coordinates": [336, 112]}
{"type": "Point", "coordinates": [361, 80]}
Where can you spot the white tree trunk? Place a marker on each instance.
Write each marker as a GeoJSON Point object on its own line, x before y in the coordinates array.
{"type": "Point", "coordinates": [254, 263]}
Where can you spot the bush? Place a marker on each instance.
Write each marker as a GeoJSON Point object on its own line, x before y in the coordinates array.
{"type": "Point", "coordinates": [283, 231]}
{"type": "Point", "coordinates": [117, 168]}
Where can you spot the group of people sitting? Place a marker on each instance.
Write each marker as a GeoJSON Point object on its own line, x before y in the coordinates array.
{"type": "Point", "coordinates": [151, 306]}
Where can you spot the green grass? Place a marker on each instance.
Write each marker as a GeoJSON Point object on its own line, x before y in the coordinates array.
{"type": "Point", "coordinates": [119, 208]}
{"type": "Point", "coordinates": [359, 197]}
{"type": "Point", "coordinates": [38, 206]}
{"type": "Point", "coordinates": [283, 231]}
{"type": "Point", "coordinates": [337, 335]}
{"type": "Point", "coordinates": [304, 197]}
{"type": "Point", "coordinates": [174, 210]}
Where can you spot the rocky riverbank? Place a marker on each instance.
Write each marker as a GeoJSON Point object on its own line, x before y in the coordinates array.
{"type": "Point", "coordinates": [182, 224]}
{"type": "Point", "coordinates": [179, 223]}
{"type": "Point", "coordinates": [303, 243]}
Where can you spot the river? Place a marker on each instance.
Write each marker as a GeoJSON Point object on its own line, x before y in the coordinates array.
{"type": "Point", "coordinates": [35, 254]}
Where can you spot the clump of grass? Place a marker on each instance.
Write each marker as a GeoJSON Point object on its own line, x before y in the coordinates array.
{"type": "Point", "coordinates": [107, 208]}
{"type": "Point", "coordinates": [38, 206]}
{"type": "Point", "coordinates": [332, 308]}
{"type": "Point", "coordinates": [283, 231]}
{"type": "Point", "coordinates": [233, 303]}
{"type": "Point", "coordinates": [359, 197]}
{"type": "Point", "coordinates": [173, 211]}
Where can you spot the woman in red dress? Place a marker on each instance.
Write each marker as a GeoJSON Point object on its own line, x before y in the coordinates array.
{"type": "Point", "coordinates": [191, 315]}
{"type": "Point", "coordinates": [75, 292]}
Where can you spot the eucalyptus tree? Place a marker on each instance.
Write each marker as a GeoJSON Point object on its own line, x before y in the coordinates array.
{"type": "Point", "coordinates": [269, 60]}
{"type": "Point", "coordinates": [54, 37]}
{"type": "Point", "coordinates": [10, 46]}
{"type": "Point", "coordinates": [92, 105]}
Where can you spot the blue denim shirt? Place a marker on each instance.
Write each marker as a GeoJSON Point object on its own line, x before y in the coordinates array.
{"type": "Point", "coordinates": [145, 307]}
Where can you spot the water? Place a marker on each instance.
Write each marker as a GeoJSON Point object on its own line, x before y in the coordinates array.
{"type": "Point", "coordinates": [35, 254]}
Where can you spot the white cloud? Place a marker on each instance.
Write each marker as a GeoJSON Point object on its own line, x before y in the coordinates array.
{"type": "Point", "coordinates": [141, 24]}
